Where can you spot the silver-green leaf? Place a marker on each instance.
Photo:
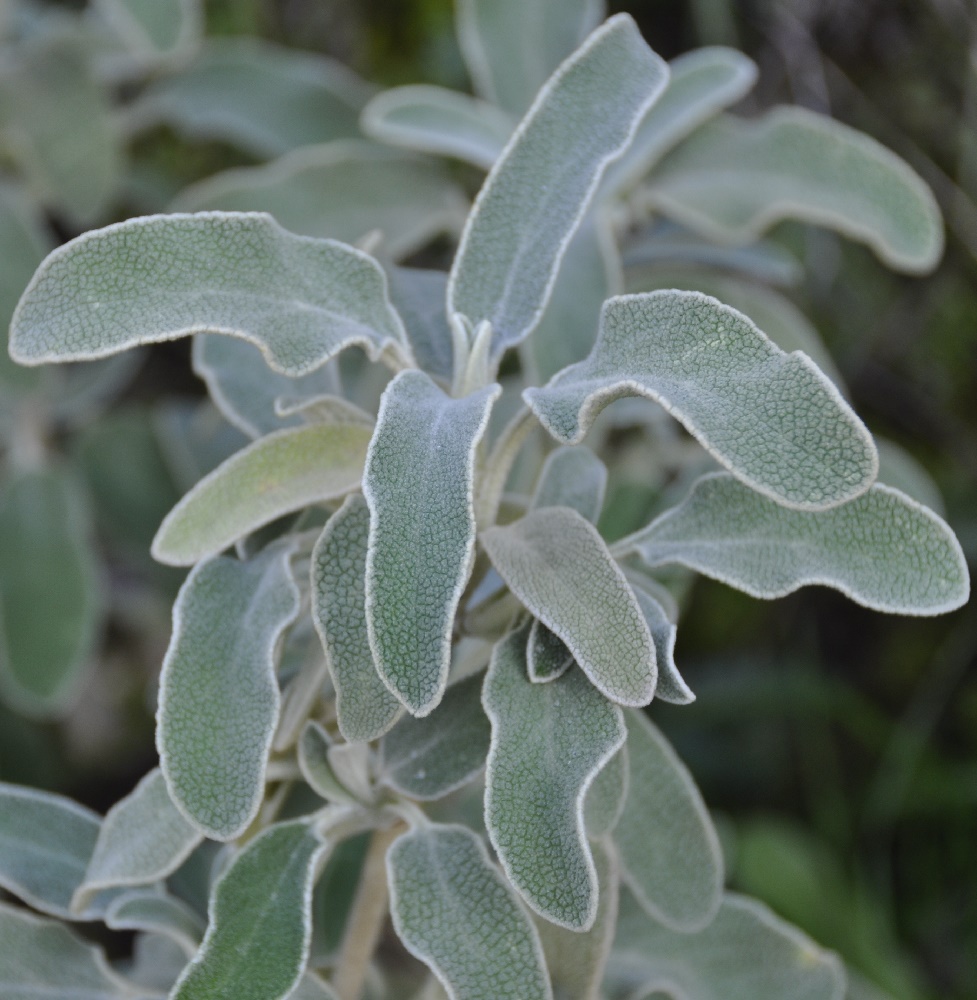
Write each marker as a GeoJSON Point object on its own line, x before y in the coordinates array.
{"type": "Point", "coordinates": [151, 29]}
{"type": "Point", "coordinates": [883, 550]}
{"type": "Point", "coordinates": [419, 483]}
{"type": "Point", "coordinates": [219, 698]}
{"type": "Point", "coordinates": [549, 741]}
{"type": "Point", "coordinates": [156, 912]}
{"type": "Point", "coordinates": [572, 477]}
{"type": "Point", "coordinates": [418, 295]}
{"type": "Point", "coordinates": [671, 686]}
{"type": "Point", "coordinates": [455, 912]}
{"type": "Point", "coordinates": [773, 419]}
{"type": "Point", "coordinates": [547, 656]}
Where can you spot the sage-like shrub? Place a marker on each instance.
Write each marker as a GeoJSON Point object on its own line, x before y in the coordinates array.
{"type": "Point", "coordinates": [407, 672]}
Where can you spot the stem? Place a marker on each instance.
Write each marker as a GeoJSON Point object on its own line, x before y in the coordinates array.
{"type": "Point", "coordinates": [366, 917]}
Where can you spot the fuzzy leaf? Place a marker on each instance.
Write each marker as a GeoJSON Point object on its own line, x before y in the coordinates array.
{"type": "Point", "coordinates": [547, 656]}
{"type": "Point", "coordinates": [428, 758]}
{"type": "Point", "coordinates": [607, 795]}
{"type": "Point", "coordinates": [314, 760]}
{"type": "Point", "coordinates": [161, 277]}
{"type": "Point", "coordinates": [343, 191]}
{"type": "Point", "coordinates": [549, 741]}
{"type": "Point", "coordinates": [154, 27]}
{"type": "Point", "coordinates": [883, 550]}
{"type": "Point", "coordinates": [418, 482]}
{"type": "Point", "coordinates": [365, 709]}
{"type": "Point", "coordinates": [419, 296]}
{"type": "Point", "coordinates": [143, 839]}
{"type": "Point", "coordinates": [735, 178]}
{"type": "Point", "coordinates": [671, 686]}
{"type": "Point", "coordinates": [746, 953]}
{"type": "Point", "coordinates": [700, 84]}
{"type": "Point", "coordinates": [572, 477]}
{"type": "Point", "coordinates": [154, 912]}
{"type": "Point", "coordinates": [219, 699]}
{"type": "Point", "coordinates": [773, 419]}
{"type": "Point", "coordinates": [538, 191]}
{"type": "Point", "coordinates": [512, 46]}
{"type": "Point", "coordinates": [559, 567]}
{"type": "Point", "coordinates": [439, 121]}
{"type": "Point", "coordinates": [264, 99]}
{"type": "Point", "coordinates": [277, 474]}
{"type": "Point", "coordinates": [670, 854]}
{"type": "Point", "coordinates": [257, 942]}
{"type": "Point", "coordinates": [456, 913]}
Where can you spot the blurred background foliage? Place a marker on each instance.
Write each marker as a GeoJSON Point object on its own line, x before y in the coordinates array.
{"type": "Point", "coordinates": [838, 746]}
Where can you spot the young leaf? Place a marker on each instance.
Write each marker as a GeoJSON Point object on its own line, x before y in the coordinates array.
{"type": "Point", "coordinates": [154, 912]}
{"type": "Point", "coordinates": [456, 913]}
{"type": "Point", "coordinates": [773, 419]}
{"type": "Point", "coordinates": [419, 296]}
{"type": "Point", "coordinates": [143, 838]}
{"type": "Point", "coordinates": [418, 482]}
{"type": "Point", "coordinates": [257, 941]}
{"type": "Point", "coordinates": [428, 758]}
{"type": "Point", "coordinates": [218, 698]}
{"type": "Point", "coordinates": [559, 567]}
{"type": "Point", "coordinates": [512, 46]}
{"type": "Point", "coordinates": [314, 760]}
{"type": "Point", "coordinates": [523, 220]}
{"type": "Point", "coordinates": [572, 477]}
{"type": "Point", "coordinates": [882, 550]}
{"type": "Point", "coordinates": [547, 656]}
{"type": "Point", "coordinates": [365, 709]}
{"type": "Point", "coordinates": [49, 591]}
{"type": "Point", "coordinates": [161, 277]}
{"type": "Point", "coordinates": [735, 178]}
{"type": "Point", "coordinates": [277, 474]}
{"type": "Point", "coordinates": [700, 84]}
{"type": "Point", "coordinates": [671, 686]}
{"type": "Point", "coordinates": [42, 958]}
{"type": "Point", "coordinates": [606, 796]}
{"type": "Point", "coordinates": [439, 121]}
{"type": "Point", "coordinates": [549, 741]}
{"type": "Point", "coordinates": [746, 953]}
{"type": "Point", "coordinates": [670, 854]}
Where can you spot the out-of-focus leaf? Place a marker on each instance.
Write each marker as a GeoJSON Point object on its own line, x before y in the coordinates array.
{"type": "Point", "coordinates": [419, 296]}
{"type": "Point", "coordinates": [155, 28]}
{"type": "Point", "coordinates": [883, 550]}
{"type": "Point", "coordinates": [277, 474]}
{"type": "Point", "coordinates": [343, 191]}
{"type": "Point", "coordinates": [735, 178]}
{"type": "Point", "coordinates": [547, 656]}
{"type": "Point", "coordinates": [559, 567]}
{"type": "Point", "coordinates": [264, 99]}
{"type": "Point", "coordinates": [522, 221]}
{"type": "Point", "coordinates": [419, 481]}
{"type": "Point", "coordinates": [49, 591]}
{"type": "Point", "coordinates": [157, 913]}
{"type": "Point", "coordinates": [161, 277]}
{"type": "Point", "coordinates": [365, 708]}
{"type": "Point", "coordinates": [773, 419]}
{"type": "Point", "coordinates": [670, 854]}
{"type": "Point", "coordinates": [606, 796]}
{"type": "Point", "coordinates": [157, 961]}
{"type": "Point", "coordinates": [549, 741]}
{"type": "Point", "coordinates": [257, 941]}
{"type": "Point", "coordinates": [451, 908]}
{"type": "Point", "coordinates": [898, 468]}
{"type": "Point", "coordinates": [571, 477]}
{"type": "Point", "coordinates": [219, 699]}
{"type": "Point", "coordinates": [428, 758]}
{"type": "Point", "coordinates": [440, 121]}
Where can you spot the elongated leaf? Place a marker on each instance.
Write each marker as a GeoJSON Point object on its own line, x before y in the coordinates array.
{"type": "Point", "coordinates": [452, 909]}
{"type": "Point", "coordinates": [49, 591]}
{"type": "Point", "coordinates": [343, 191]}
{"type": "Point", "coordinates": [733, 179]}
{"type": "Point", "coordinates": [313, 753]}
{"type": "Point", "coordinates": [572, 477]}
{"type": "Point", "coordinates": [522, 221]}
{"type": "Point", "coordinates": [257, 941]}
{"type": "Point", "coordinates": [277, 474]}
{"type": "Point", "coordinates": [154, 27]}
{"type": "Point", "coordinates": [671, 686]}
{"type": "Point", "coordinates": [157, 913]}
{"type": "Point", "coordinates": [773, 419]}
{"type": "Point", "coordinates": [218, 698]}
{"type": "Point", "coordinates": [265, 99]}
{"type": "Point", "coordinates": [670, 854]}
{"type": "Point", "coordinates": [549, 741]}
{"type": "Point", "coordinates": [365, 709]}
{"type": "Point", "coordinates": [419, 296]}
{"type": "Point", "coordinates": [700, 84]}
{"type": "Point", "coordinates": [576, 961]}
{"type": "Point", "coordinates": [418, 483]}
{"type": "Point", "coordinates": [42, 958]}
{"type": "Point", "coordinates": [883, 550]}
{"type": "Point", "coordinates": [606, 796]}
{"type": "Point", "coordinates": [547, 656]}
{"type": "Point", "coordinates": [511, 47]}
{"type": "Point", "coordinates": [164, 276]}
{"type": "Point", "coordinates": [559, 567]}
{"type": "Point", "coordinates": [746, 953]}
{"type": "Point", "coordinates": [440, 121]}
{"type": "Point", "coordinates": [428, 758]}
{"type": "Point", "coordinates": [143, 839]}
